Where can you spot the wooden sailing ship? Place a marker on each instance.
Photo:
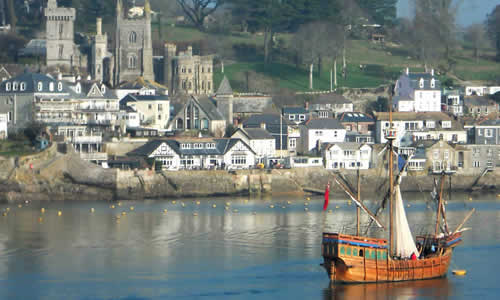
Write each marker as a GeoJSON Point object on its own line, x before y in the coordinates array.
{"type": "Point", "coordinates": [362, 259]}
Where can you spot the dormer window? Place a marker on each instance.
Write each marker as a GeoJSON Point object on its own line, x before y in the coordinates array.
{"type": "Point", "coordinates": [7, 86]}
{"type": "Point", "coordinates": [51, 87]}
{"type": "Point", "coordinates": [430, 124]}
{"type": "Point", "coordinates": [59, 86]}
{"type": "Point", "coordinates": [433, 83]}
{"type": "Point", "coordinates": [103, 89]}
{"type": "Point", "coordinates": [78, 88]}
{"type": "Point", "coordinates": [23, 86]}
{"type": "Point", "coordinates": [40, 86]}
{"type": "Point", "coordinates": [421, 84]}
{"type": "Point", "coordinates": [14, 86]}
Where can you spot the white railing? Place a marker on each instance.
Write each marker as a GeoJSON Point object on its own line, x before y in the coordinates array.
{"type": "Point", "coordinates": [94, 156]}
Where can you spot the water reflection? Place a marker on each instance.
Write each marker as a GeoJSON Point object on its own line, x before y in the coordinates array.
{"type": "Point", "coordinates": [435, 288]}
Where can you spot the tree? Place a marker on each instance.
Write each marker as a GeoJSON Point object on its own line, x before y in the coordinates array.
{"type": "Point", "coordinates": [476, 36]}
{"type": "Point", "coordinates": [493, 28]}
{"type": "Point", "coordinates": [315, 41]}
{"type": "Point", "coordinates": [11, 10]}
{"type": "Point", "coordinates": [382, 12]}
{"type": "Point", "coordinates": [198, 10]}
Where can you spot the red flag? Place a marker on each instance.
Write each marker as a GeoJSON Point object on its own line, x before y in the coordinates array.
{"type": "Point", "coordinates": [327, 194]}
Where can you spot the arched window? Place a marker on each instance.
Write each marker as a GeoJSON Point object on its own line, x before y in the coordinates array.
{"type": "Point", "coordinates": [40, 86]}
{"type": "Point", "coordinates": [51, 87]}
{"type": "Point", "coordinates": [23, 86]}
{"type": "Point", "coordinates": [132, 37]}
{"type": "Point", "coordinates": [15, 86]}
{"type": "Point", "coordinates": [421, 83]}
{"type": "Point", "coordinates": [59, 86]}
{"type": "Point", "coordinates": [7, 86]}
{"type": "Point", "coordinates": [132, 62]}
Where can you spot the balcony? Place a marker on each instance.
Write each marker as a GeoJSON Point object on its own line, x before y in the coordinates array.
{"type": "Point", "coordinates": [87, 139]}
{"type": "Point", "coordinates": [94, 156]}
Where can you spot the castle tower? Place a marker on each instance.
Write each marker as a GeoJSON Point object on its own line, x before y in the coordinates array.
{"type": "Point", "coordinates": [169, 67]}
{"type": "Point", "coordinates": [133, 53]}
{"type": "Point", "coordinates": [99, 51]}
{"type": "Point", "coordinates": [60, 35]}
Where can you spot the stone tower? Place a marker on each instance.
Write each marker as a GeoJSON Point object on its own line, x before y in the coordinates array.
{"type": "Point", "coordinates": [133, 53]}
{"type": "Point", "coordinates": [99, 51]}
{"type": "Point", "coordinates": [61, 49]}
{"type": "Point", "coordinates": [224, 100]}
{"type": "Point", "coordinates": [170, 68]}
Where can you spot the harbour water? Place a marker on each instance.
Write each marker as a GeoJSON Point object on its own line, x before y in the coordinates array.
{"type": "Point", "coordinates": [226, 248]}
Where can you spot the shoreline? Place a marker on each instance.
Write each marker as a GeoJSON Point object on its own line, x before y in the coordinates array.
{"type": "Point", "coordinates": [50, 175]}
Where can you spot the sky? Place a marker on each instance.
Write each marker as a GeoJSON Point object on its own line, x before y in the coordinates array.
{"type": "Point", "coordinates": [471, 11]}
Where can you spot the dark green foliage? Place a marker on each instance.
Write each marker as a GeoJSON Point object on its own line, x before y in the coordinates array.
{"type": "Point", "coordinates": [33, 130]}
{"type": "Point", "coordinates": [493, 28]}
{"type": "Point", "coordinates": [380, 105]}
{"type": "Point", "coordinates": [11, 43]}
{"type": "Point", "coordinates": [496, 97]}
{"type": "Point", "coordinates": [230, 130]}
{"type": "Point", "coordinates": [381, 11]}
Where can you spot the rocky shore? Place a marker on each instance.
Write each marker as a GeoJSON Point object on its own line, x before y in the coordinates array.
{"type": "Point", "coordinates": [51, 175]}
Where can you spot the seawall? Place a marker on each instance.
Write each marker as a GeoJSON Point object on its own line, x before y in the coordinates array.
{"type": "Point", "coordinates": [51, 175]}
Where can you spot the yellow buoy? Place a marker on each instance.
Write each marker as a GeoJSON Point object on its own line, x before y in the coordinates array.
{"type": "Point", "coordinates": [59, 213]}
{"type": "Point", "coordinates": [124, 213]}
{"type": "Point", "coordinates": [306, 209]}
{"type": "Point", "coordinates": [92, 209]}
{"type": "Point", "coordinates": [132, 208]}
{"type": "Point", "coordinates": [289, 202]}
{"type": "Point", "coordinates": [459, 272]}
{"type": "Point", "coordinates": [197, 202]}
{"type": "Point", "coordinates": [112, 206]}
{"type": "Point", "coordinates": [19, 206]}
{"type": "Point", "coordinates": [40, 220]}
{"type": "Point", "coordinates": [498, 195]}
{"type": "Point", "coordinates": [330, 211]}
{"type": "Point", "coordinates": [305, 203]}
{"type": "Point", "coordinates": [308, 199]}
{"type": "Point", "coordinates": [173, 202]}
{"type": "Point", "coordinates": [119, 204]}
{"type": "Point", "coordinates": [336, 206]}
{"type": "Point", "coordinates": [7, 209]}
{"type": "Point", "coordinates": [4, 214]}
{"type": "Point", "coordinates": [214, 206]}
{"type": "Point", "coordinates": [235, 210]}
{"type": "Point", "coordinates": [228, 203]}
{"type": "Point", "coordinates": [246, 201]}
{"type": "Point", "coordinates": [117, 216]}
{"type": "Point", "coordinates": [165, 211]}
{"type": "Point", "coordinates": [470, 198]}
{"type": "Point", "coordinates": [271, 206]}
{"type": "Point", "coordinates": [195, 214]}
{"type": "Point", "coordinates": [42, 210]}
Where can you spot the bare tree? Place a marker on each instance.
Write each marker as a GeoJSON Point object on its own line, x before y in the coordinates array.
{"type": "Point", "coordinates": [316, 41]}
{"type": "Point", "coordinates": [198, 10]}
{"type": "Point", "coordinates": [476, 36]}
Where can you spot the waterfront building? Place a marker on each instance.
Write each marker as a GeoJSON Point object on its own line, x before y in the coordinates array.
{"type": "Point", "coordinates": [480, 106]}
{"type": "Point", "coordinates": [360, 127]}
{"type": "Point", "coordinates": [295, 114]}
{"type": "Point", "coordinates": [486, 132]}
{"type": "Point", "coordinates": [153, 110]}
{"type": "Point", "coordinates": [197, 153]}
{"type": "Point", "coordinates": [352, 156]}
{"type": "Point", "coordinates": [318, 131]}
{"type": "Point", "coordinates": [413, 127]}
{"type": "Point", "coordinates": [453, 102]}
{"type": "Point", "coordinates": [286, 135]}
{"type": "Point", "coordinates": [260, 140]}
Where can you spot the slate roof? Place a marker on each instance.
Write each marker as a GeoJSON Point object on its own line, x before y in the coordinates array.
{"type": "Point", "coordinates": [222, 146]}
{"type": "Point", "coordinates": [478, 101]}
{"type": "Point", "coordinates": [139, 98]}
{"type": "Point", "coordinates": [345, 145]}
{"type": "Point", "coordinates": [256, 133]}
{"type": "Point", "coordinates": [225, 87]}
{"type": "Point", "coordinates": [31, 80]}
{"type": "Point", "coordinates": [291, 110]}
{"type": "Point", "coordinates": [324, 124]}
{"type": "Point", "coordinates": [415, 81]}
{"type": "Point", "coordinates": [411, 116]}
{"type": "Point", "coordinates": [87, 86]}
{"type": "Point", "coordinates": [209, 107]}
{"type": "Point", "coordinates": [355, 117]}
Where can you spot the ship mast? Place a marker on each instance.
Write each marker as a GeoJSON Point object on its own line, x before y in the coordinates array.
{"type": "Point", "coordinates": [390, 135]}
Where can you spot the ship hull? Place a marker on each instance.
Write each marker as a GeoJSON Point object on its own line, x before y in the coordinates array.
{"type": "Point", "coordinates": [349, 259]}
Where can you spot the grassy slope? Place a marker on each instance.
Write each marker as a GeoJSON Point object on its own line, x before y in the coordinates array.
{"type": "Point", "coordinates": [391, 59]}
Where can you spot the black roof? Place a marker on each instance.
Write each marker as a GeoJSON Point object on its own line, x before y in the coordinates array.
{"type": "Point", "coordinates": [355, 117]}
{"type": "Point", "coordinates": [31, 81]}
{"type": "Point", "coordinates": [324, 124]}
{"type": "Point", "coordinates": [256, 133]}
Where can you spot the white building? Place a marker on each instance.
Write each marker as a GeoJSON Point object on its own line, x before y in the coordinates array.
{"type": "Point", "coordinates": [261, 141]}
{"type": "Point", "coordinates": [3, 126]}
{"type": "Point", "coordinates": [319, 131]}
{"type": "Point", "coordinates": [347, 156]}
{"type": "Point", "coordinates": [154, 111]}
{"type": "Point", "coordinates": [198, 153]}
{"type": "Point", "coordinates": [417, 92]}
{"type": "Point", "coordinates": [413, 127]}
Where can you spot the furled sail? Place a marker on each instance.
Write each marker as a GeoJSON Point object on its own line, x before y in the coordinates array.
{"type": "Point", "coordinates": [405, 245]}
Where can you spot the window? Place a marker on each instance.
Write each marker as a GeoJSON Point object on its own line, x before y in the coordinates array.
{"type": "Point", "coordinates": [323, 114]}
{"type": "Point", "coordinates": [208, 85]}
{"type": "Point", "coordinates": [9, 117]}
{"type": "Point", "coordinates": [302, 117]}
{"type": "Point", "coordinates": [132, 62]}
{"type": "Point", "coordinates": [59, 86]}
{"type": "Point", "coordinates": [479, 132]}
{"type": "Point", "coordinates": [488, 132]}
{"type": "Point", "coordinates": [291, 117]}
{"type": "Point", "coordinates": [292, 143]}
{"type": "Point", "coordinates": [446, 124]}
{"type": "Point", "coordinates": [23, 86]}
{"type": "Point", "coordinates": [160, 108]}
{"type": "Point", "coordinates": [40, 86]}
{"type": "Point", "coordinates": [150, 106]}
{"type": "Point", "coordinates": [7, 86]}
{"type": "Point", "coordinates": [51, 86]}
{"type": "Point", "coordinates": [61, 28]}
{"type": "Point", "coordinates": [433, 85]}
{"type": "Point", "coordinates": [159, 117]}
{"type": "Point", "coordinates": [239, 160]}
{"type": "Point", "coordinates": [446, 155]}
{"type": "Point", "coordinates": [15, 86]}
{"type": "Point", "coordinates": [318, 133]}
{"type": "Point", "coordinates": [132, 37]}
{"type": "Point", "coordinates": [421, 83]}
{"type": "Point", "coordinates": [335, 133]}
{"type": "Point", "coordinates": [61, 51]}
{"type": "Point", "coordinates": [476, 164]}
{"type": "Point", "coordinates": [435, 154]}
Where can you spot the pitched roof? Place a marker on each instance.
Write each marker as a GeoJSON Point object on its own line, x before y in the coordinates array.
{"type": "Point", "coordinates": [31, 80]}
{"type": "Point", "coordinates": [345, 145]}
{"type": "Point", "coordinates": [355, 117]}
{"type": "Point", "coordinates": [427, 77]}
{"type": "Point", "coordinates": [324, 124]}
{"type": "Point", "coordinates": [209, 108]}
{"type": "Point", "coordinates": [225, 87]}
{"type": "Point", "coordinates": [268, 119]}
{"type": "Point", "coordinates": [256, 133]}
{"type": "Point", "coordinates": [478, 100]}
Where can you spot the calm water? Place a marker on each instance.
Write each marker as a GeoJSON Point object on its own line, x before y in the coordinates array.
{"type": "Point", "coordinates": [254, 252]}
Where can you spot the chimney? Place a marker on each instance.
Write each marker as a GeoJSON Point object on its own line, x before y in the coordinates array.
{"type": "Point", "coordinates": [263, 125]}
{"type": "Point", "coordinates": [407, 71]}
{"type": "Point", "coordinates": [99, 26]}
{"type": "Point", "coordinates": [432, 72]}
